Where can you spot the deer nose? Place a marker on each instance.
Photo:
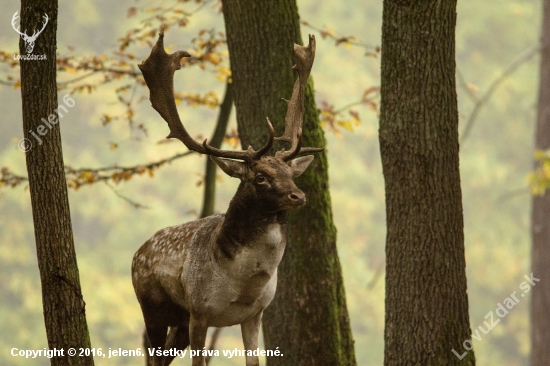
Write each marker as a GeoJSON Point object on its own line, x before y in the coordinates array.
{"type": "Point", "coordinates": [298, 198]}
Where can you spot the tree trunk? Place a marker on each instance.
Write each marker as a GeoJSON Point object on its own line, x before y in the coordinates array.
{"type": "Point", "coordinates": [209, 195]}
{"type": "Point", "coordinates": [308, 319]}
{"type": "Point", "coordinates": [426, 299]}
{"type": "Point", "coordinates": [63, 305]}
{"type": "Point", "coordinates": [540, 222]}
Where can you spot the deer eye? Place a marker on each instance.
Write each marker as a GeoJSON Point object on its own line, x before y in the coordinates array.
{"type": "Point", "coordinates": [260, 178]}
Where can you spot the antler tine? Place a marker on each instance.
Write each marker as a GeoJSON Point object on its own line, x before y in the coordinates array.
{"type": "Point", "coordinates": [13, 20]}
{"type": "Point", "coordinates": [158, 71]}
{"type": "Point", "coordinates": [269, 142]}
{"type": "Point", "coordinates": [251, 154]}
{"type": "Point", "coordinates": [46, 18]}
{"type": "Point", "coordinates": [293, 152]}
{"type": "Point", "coordinates": [295, 110]}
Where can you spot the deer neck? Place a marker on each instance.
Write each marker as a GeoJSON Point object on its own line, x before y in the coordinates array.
{"type": "Point", "coordinates": [245, 221]}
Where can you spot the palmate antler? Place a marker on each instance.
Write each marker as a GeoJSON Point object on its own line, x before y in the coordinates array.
{"type": "Point", "coordinates": [295, 112]}
{"type": "Point", "coordinates": [158, 71]}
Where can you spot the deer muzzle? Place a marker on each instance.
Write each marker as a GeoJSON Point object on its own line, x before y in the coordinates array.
{"type": "Point", "coordinates": [297, 198]}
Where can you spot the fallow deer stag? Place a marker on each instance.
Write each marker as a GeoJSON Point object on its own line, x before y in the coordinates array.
{"type": "Point", "coordinates": [220, 270]}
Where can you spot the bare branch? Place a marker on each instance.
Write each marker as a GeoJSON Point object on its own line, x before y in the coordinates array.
{"type": "Point", "coordinates": [522, 58]}
{"type": "Point", "coordinates": [342, 40]}
{"type": "Point", "coordinates": [133, 203]}
{"type": "Point", "coordinates": [464, 85]}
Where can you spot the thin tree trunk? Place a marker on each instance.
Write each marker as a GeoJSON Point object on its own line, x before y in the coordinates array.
{"type": "Point", "coordinates": [63, 305]}
{"type": "Point", "coordinates": [426, 299]}
{"type": "Point", "coordinates": [307, 320]}
{"type": "Point", "coordinates": [209, 196]}
{"type": "Point", "coordinates": [540, 219]}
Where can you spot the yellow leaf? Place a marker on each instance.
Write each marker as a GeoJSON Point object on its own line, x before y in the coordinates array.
{"type": "Point", "coordinates": [214, 58]}
{"type": "Point", "coordinates": [539, 154]}
{"type": "Point", "coordinates": [113, 146]}
{"type": "Point", "coordinates": [346, 124]}
{"type": "Point", "coordinates": [224, 71]}
{"type": "Point", "coordinates": [472, 87]}
{"type": "Point", "coordinates": [221, 78]}
{"type": "Point", "coordinates": [87, 176]}
{"type": "Point", "coordinates": [232, 141]}
{"type": "Point", "coordinates": [70, 70]}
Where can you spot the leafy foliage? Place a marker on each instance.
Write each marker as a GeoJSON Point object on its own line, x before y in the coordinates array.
{"type": "Point", "coordinates": [540, 178]}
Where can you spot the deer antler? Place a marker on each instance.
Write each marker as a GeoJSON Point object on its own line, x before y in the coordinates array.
{"type": "Point", "coordinates": [158, 70]}
{"type": "Point", "coordinates": [13, 20]}
{"type": "Point", "coordinates": [295, 112]}
{"type": "Point", "coordinates": [24, 34]}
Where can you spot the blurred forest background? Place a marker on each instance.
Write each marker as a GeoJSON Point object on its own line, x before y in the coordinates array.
{"type": "Point", "coordinates": [495, 155]}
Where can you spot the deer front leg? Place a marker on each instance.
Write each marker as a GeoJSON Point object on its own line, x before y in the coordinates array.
{"type": "Point", "coordinates": [197, 338]}
{"type": "Point", "coordinates": [250, 330]}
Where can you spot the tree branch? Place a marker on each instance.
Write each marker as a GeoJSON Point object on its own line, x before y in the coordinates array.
{"type": "Point", "coordinates": [83, 176]}
{"type": "Point", "coordinates": [522, 58]}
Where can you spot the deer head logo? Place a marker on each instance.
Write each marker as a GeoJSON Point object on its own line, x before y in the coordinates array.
{"type": "Point", "coordinates": [29, 40]}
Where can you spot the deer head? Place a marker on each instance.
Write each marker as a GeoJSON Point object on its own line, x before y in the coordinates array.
{"type": "Point", "coordinates": [255, 168]}
{"type": "Point", "coordinates": [29, 40]}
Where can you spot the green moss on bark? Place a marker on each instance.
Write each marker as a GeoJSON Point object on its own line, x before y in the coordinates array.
{"type": "Point", "coordinates": [308, 319]}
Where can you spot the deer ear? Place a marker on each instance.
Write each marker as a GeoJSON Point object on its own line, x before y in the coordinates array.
{"type": "Point", "coordinates": [299, 165]}
{"type": "Point", "coordinates": [232, 168]}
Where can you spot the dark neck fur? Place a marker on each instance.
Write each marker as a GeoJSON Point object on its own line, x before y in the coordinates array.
{"type": "Point", "coordinates": [245, 218]}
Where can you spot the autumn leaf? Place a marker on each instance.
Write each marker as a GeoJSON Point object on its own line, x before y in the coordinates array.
{"type": "Point", "coordinates": [131, 12]}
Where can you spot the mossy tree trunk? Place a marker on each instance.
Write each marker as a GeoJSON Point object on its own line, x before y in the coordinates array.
{"type": "Point", "coordinates": [540, 218]}
{"type": "Point", "coordinates": [63, 305]}
{"type": "Point", "coordinates": [308, 319]}
{"type": "Point", "coordinates": [426, 299]}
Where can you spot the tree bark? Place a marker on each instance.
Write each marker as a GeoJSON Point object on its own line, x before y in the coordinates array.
{"type": "Point", "coordinates": [308, 319]}
{"type": "Point", "coordinates": [63, 305]}
{"type": "Point", "coordinates": [426, 299]}
{"type": "Point", "coordinates": [540, 224]}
